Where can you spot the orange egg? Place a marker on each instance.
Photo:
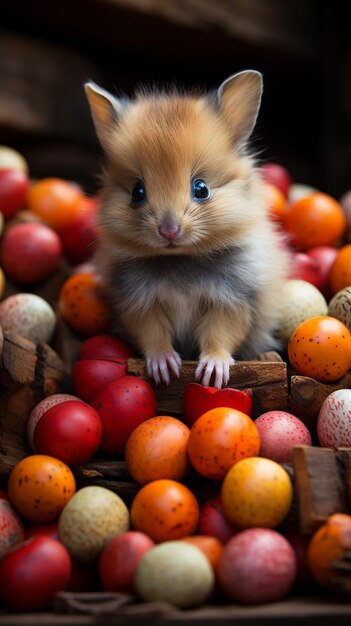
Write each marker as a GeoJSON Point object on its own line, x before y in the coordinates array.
{"type": "Point", "coordinates": [165, 510]}
{"type": "Point", "coordinates": [340, 271]}
{"type": "Point", "coordinates": [256, 492]}
{"type": "Point", "coordinates": [210, 546]}
{"type": "Point", "coordinates": [157, 449]}
{"type": "Point", "coordinates": [55, 201]}
{"type": "Point", "coordinates": [315, 220]}
{"type": "Point", "coordinates": [321, 348]}
{"type": "Point", "coordinates": [276, 203]}
{"type": "Point", "coordinates": [40, 486]}
{"type": "Point", "coordinates": [82, 305]}
{"type": "Point", "coordinates": [219, 439]}
{"type": "Point", "coordinates": [330, 543]}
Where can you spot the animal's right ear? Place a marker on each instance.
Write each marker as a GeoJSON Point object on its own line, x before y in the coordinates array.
{"type": "Point", "coordinates": [105, 110]}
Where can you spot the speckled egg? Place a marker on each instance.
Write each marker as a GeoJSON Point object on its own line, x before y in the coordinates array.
{"type": "Point", "coordinates": [340, 307]}
{"type": "Point", "coordinates": [174, 572]}
{"type": "Point", "coordinates": [256, 492]}
{"type": "Point", "coordinates": [321, 348]}
{"type": "Point", "coordinates": [40, 486]}
{"type": "Point", "coordinates": [92, 518]}
{"type": "Point", "coordinates": [334, 420]}
{"type": "Point", "coordinates": [300, 301]}
{"type": "Point", "coordinates": [28, 315]}
{"type": "Point", "coordinates": [41, 408]}
{"type": "Point", "coordinates": [279, 432]}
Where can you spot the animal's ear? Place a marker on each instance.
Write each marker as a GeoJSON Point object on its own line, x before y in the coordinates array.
{"type": "Point", "coordinates": [105, 110]}
{"type": "Point", "coordinates": [239, 99]}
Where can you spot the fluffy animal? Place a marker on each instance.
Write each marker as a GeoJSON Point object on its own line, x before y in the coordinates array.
{"type": "Point", "coordinates": [190, 259]}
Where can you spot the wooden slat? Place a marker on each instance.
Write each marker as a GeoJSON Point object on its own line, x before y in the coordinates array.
{"type": "Point", "coordinates": [319, 485]}
{"type": "Point", "coordinates": [28, 373]}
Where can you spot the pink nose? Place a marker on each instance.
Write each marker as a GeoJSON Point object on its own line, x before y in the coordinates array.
{"type": "Point", "coordinates": [169, 229]}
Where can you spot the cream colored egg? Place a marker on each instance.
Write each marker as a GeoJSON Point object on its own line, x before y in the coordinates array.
{"type": "Point", "coordinates": [92, 517]}
{"type": "Point", "coordinates": [13, 160]}
{"type": "Point", "coordinates": [299, 190]}
{"type": "Point", "coordinates": [2, 283]}
{"type": "Point", "coordinates": [28, 315]}
{"type": "Point", "coordinates": [174, 572]}
{"type": "Point", "coordinates": [340, 307]}
{"type": "Point", "coordinates": [300, 301]}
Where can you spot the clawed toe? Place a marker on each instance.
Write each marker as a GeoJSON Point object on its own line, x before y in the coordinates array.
{"type": "Point", "coordinates": [160, 366]}
{"type": "Point", "coordinates": [218, 368]}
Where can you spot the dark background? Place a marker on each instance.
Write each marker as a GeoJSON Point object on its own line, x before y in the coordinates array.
{"type": "Point", "coordinates": [48, 48]}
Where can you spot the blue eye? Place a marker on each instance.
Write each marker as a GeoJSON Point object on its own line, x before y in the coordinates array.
{"type": "Point", "coordinates": [199, 190]}
{"type": "Point", "coordinates": [139, 193]}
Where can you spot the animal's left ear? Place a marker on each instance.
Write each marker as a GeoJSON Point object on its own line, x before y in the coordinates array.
{"type": "Point", "coordinates": [239, 99]}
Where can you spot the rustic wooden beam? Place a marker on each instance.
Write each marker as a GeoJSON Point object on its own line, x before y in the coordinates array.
{"type": "Point", "coordinates": [319, 486]}
{"type": "Point", "coordinates": [28, 373]}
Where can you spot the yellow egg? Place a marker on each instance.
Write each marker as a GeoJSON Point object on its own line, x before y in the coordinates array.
{"type": "Point", "coordinates": [256, 492]}
{"type": "Point", "coordinates": [300, 301]}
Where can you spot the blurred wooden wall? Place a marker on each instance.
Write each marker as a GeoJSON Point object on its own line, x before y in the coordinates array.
{"type": "Point", "coordinates": [48, 50]}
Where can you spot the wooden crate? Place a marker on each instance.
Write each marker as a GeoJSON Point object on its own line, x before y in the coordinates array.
{"type": "Point", "coordinates": [321, 480]}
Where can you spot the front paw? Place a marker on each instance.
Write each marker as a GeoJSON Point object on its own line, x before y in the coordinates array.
{"type": "Point", "coordinates": [159, 366]}
{"type": "Point", "coordinates": [212, 366]}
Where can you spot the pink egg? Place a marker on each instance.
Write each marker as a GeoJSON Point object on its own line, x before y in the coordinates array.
{"type": "Point", "coordinates": [41, 408]}
{"type": "Point", "coordinates": [334, 420]}
{"type": "Point", "coordinates": [257, 565]}
{"type": "Point", "coordinates": [280, 432]}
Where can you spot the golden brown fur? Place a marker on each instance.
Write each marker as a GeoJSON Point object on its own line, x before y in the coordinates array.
{"type": "Point", "coordinates": [216, 285]}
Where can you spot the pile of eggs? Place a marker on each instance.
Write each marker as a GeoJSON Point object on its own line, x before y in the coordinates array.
{"type": "Point", "coordinates": [166, 546]}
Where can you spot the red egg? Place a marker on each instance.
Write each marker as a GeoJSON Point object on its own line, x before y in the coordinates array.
{"type": "Point", "coordinates": [212, 521]}
{"type": "Point", "coordinates": [80, 236]}
{"type": "Point", "coordinates": [14, 185]}
{"type": "Point", "coordinates": [277, 175]}
{"type": "Point", "coordinates": [279, 432]}
{"type": "Point", "coordinates": [30, 252]}
{"type": "Point", "coordinates": [41, 408]}
{"type": "Point", "coordinates": [122, 405]}
{"type": "Point", "coordinates": [106, 347]}
{"type": "Point", "coordinates": [32, 573]}
{"type": "Point", "coordinates": [120, 558]}
{"type": "Point", "coordinates": [89, 376]}
{"type": "Point", "coordinates": [69, 431]}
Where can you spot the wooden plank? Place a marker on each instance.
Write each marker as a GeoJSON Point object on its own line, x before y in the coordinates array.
{"type": "Point", "coordinates": [319, 486]}
{"type": "Point", "coordinates": [307, 396]}
{"type": "Point", "coordinates": [311, 611]}
{"type": "Point", "coordinates": [268, 381]}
